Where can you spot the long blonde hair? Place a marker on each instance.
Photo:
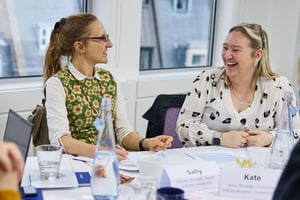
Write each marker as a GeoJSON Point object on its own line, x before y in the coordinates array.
{"type": "Point", "coordinates": [258, 40]}
{"type": "Point", "coordinates": [64, 34]}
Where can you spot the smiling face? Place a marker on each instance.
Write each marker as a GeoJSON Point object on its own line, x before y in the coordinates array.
{"type": "Point", "coordinates": [96, 49]}
{"type": "Point", "coordinates": [239, 58]}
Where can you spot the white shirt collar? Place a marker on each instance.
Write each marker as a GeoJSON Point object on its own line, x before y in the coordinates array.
{"type": "Point", "coordinates": [79, 76]}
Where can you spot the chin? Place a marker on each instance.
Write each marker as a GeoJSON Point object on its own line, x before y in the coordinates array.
{"type": "Point", "coordinates": [104, 61]}
{"type": "Point", "coordinates": [230, 70]}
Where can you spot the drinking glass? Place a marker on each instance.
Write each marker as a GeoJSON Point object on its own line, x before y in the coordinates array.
{"type": "Point", "coordinates": [281, 149]}
{"type": "Point", "coordinates": [49, 158]}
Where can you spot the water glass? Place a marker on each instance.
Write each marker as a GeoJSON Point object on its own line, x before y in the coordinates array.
{"type": "Point", "coordinates": [151, 166]}
{"type": "Point", "coordinates": [49, 159]}
{"type": "Point", "coordinates": [143, 188]}
{"type": "Point", "coordinates": [258, 156]}
{"type": "Point", "coordinates": [281, 149]}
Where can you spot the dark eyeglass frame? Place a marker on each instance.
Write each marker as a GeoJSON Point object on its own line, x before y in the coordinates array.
{"type": "Point", "coordinates": [251, 26]}
{"type": "Point", "coordinates": [104, 38]}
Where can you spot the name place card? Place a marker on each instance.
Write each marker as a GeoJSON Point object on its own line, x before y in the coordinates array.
{"type": "Point", "coordinates": [248, 183]}
{"type": "Point", "coordinates": [194, 176]}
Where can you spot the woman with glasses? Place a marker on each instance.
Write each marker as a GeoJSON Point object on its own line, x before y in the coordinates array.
{"type": "Point", "coordinates": [74, 92]}
{"type": "Point", "coordinates": [239, 104]}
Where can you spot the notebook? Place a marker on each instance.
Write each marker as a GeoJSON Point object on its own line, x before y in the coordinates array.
{"type": "Point", "coordinates": [18, 130]}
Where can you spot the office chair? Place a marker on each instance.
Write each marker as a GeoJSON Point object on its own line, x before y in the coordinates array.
{"type": "Point", "coordinates": [170, 126]}
{"type": "Point", "coordinates": [156, 116]}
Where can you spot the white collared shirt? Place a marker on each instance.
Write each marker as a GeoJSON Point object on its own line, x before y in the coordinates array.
{"type": "Point", "coordinates": [58, 123]}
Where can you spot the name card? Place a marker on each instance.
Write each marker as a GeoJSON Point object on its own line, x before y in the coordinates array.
{"type": "Point", "coordinates": [250, 183]}
{"type": "Point", "coordinates": [192, 176]}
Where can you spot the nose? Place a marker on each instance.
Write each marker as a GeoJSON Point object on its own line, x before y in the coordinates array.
{"type": "Point", "coordinates": [109, 43]}
{"type": "Point", "coordinates": [227, 54]}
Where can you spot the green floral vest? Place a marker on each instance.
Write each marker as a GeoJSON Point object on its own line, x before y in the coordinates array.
{"type": "Point", "coordinates": [83, 99]}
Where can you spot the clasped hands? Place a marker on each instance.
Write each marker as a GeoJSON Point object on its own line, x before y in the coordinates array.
{"type": "Point", "coordinates": [251, 137]}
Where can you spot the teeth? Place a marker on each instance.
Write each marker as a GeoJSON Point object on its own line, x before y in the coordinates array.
{"type": "Point", "coordinates": [231, 64]}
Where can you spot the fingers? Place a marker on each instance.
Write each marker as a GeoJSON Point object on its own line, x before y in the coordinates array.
{"type": "Point", "coordinates": [11, 159]}
{"type": "Point", "coordinates": [166, 139]}
{"type": "Point", "coordinates": [121, 152]}
{"type": "Point", "coordinates": [159, 143]}
{"type": "Point", "coordinates": [17, 160]}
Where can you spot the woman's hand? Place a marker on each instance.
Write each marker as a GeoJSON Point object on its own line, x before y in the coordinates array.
{"type": "Point", "coordinates": [121, 153]}
{"type": "Point", "coordinates": [158, 143]}
{"type": "Point", "coordinates": [259, 138]}
{"type": "Point", "coordinates": [234, 139]}
{"type": "Point", "coordinates": [11, 166]}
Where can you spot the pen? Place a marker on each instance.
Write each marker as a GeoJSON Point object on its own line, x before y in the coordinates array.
{"type": "Point", "coordinates": [82, 160]}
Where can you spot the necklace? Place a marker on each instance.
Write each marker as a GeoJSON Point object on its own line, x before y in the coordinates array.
{"type": "Point", "coordinates": [241, 101]}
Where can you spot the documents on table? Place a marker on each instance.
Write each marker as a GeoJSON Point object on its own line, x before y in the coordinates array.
{"type": "Point", "coordinates": [218, 157]}
{"type": "Point", "coordinates": [130, 164]}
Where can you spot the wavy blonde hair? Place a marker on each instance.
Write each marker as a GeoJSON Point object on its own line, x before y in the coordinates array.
{"type": "Point", "coordinates": [258, 40]}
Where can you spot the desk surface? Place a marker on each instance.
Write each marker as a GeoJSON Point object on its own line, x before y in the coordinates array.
{"type": "Point", "coordinates": [172, 156]}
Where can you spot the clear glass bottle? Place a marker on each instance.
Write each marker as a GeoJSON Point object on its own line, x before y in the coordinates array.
{"type": "Point", "coordinates": [105, 173]}
{"type": "Point", "coordinates": [283, 141]}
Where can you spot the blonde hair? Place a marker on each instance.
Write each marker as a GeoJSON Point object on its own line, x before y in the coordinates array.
{"type": "Point", "coordinates": [65, 33]}
{"type": "Point", "coordinates": [258, 40]}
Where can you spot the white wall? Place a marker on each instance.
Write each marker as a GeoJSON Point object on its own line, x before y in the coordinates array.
{"type": "Point", "coordinates": [122, 20]}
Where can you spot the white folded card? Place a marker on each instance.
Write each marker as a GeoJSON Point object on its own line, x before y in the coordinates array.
{"type": "Point", "coordinates": [249, 183]}
{"type": "Point", "coordinates": [194, 176]}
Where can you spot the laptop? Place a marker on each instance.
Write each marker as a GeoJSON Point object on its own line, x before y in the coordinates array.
{"type": "Point", "coordinates": [18, 130]}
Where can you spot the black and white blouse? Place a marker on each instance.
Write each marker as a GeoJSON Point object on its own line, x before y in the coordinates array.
{"type": "Point", "coordinates": [208, 108]}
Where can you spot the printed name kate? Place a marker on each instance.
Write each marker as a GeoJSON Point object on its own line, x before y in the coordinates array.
{"type": "Point", "coordinates": [249, 177]}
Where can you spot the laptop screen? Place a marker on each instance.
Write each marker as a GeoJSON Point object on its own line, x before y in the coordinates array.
{"type": "Point", "coordinates": [18, 131]}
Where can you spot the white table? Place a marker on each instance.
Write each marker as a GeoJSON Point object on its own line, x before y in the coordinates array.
{"type": "Point", "coordinates": [173, 156]}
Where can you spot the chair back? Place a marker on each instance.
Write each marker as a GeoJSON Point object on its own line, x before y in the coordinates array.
{"type": "Point", "coordinates": [170, 126]}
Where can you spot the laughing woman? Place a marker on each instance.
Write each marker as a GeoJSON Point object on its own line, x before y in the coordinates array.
{"type": "Point", "coordinates": [239, 104]}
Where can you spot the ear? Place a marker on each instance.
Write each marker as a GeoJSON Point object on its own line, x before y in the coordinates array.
{"type": "Point", "coordinates": [79, 46]}
{"type": "Point", "coordinates": [258, 54]}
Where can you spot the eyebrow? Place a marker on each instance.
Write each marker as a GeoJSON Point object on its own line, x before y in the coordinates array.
{"type": "Point", "coordinates": [233, 46]}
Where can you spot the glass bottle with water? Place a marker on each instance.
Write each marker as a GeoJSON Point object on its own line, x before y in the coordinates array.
{"type": "Point", "coordinates": [105, 174]}
{"type": "Point", "coordinates": [283, 141]}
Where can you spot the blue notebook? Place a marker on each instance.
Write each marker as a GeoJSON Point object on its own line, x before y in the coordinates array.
{"type": "Point", "coordinates": [83, 178]}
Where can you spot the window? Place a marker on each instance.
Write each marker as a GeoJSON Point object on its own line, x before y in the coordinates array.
{"type": "Point", "coordinates": [181, 5]}
{"type": "Point", "coordinates": [145, 2]}
{"type": "Point", "coordinates": [25, 32]}
{"type": "Point", "coordinates": [146, 56]}
{"type": "Point", "coordinates": [180, 33]}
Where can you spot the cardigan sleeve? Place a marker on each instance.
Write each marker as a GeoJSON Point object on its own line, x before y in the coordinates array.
{"type": "Point", "coordinates": [9, 195]}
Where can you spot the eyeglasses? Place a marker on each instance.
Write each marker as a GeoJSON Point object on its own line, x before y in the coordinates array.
{"type": "Point", "coordinates": [255, 27]}
{"type": "Point", "coordinates": [104, 38]}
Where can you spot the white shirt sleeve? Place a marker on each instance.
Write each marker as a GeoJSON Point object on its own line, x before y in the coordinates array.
{"type": "Point", "coordinates": [57, 116]}
{"type": "Point", "coordinates": [122, 124]}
